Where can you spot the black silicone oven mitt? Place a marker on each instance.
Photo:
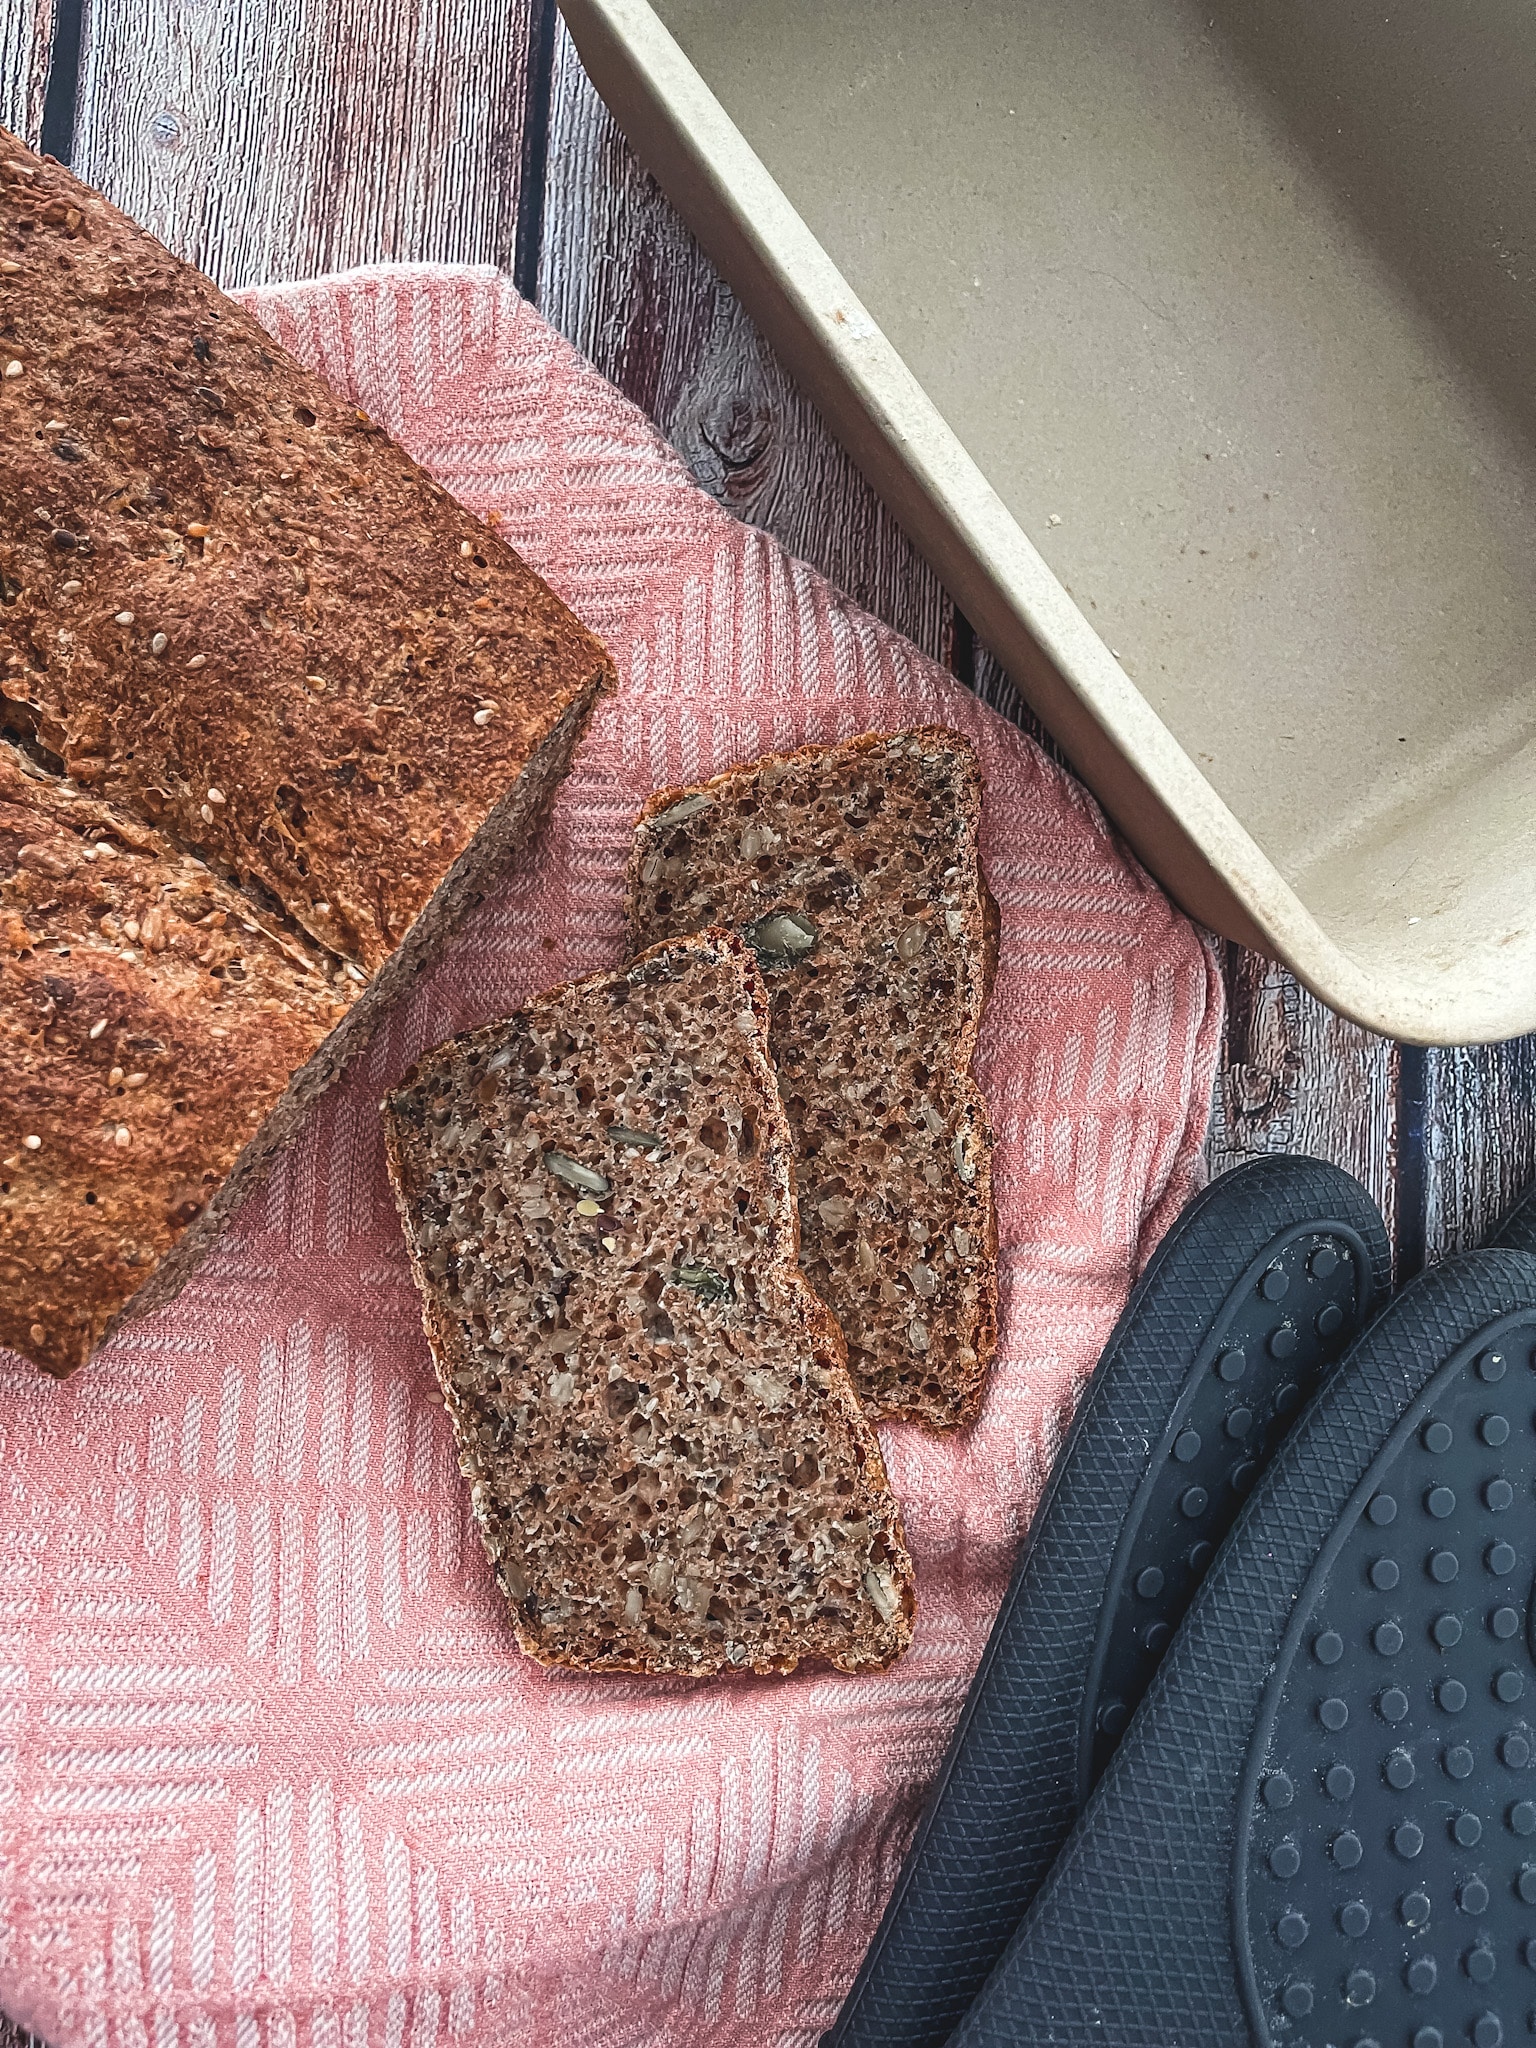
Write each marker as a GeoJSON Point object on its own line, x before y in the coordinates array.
{"type": "Point", "coordinates": [1320, 1829]}
{"type": "Point", "coordinates": [1251, 1297]}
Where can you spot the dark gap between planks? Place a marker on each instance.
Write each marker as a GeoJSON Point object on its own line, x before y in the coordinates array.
{"type": "Point", "coordinates": [534, 177]}
{"type": "Point", "coordinates": [58, 131]}
{"type": "Point", "coordinates": [1411, 1220]}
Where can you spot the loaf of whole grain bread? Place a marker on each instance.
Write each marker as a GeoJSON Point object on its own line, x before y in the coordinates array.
{"type": "Point", "coordinates": [854, 872]}
{"type": "Point", "coordinates": [667, 1461]}
{"type": "Point", "coordinates": [238, 615]}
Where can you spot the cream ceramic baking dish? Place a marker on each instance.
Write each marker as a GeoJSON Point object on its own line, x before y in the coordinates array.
{"type": "Point", "coordinates": [1193, 344]}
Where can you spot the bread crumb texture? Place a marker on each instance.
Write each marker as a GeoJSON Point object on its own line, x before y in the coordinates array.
{"type": "Point", "coordinates": [667, 1462]}
{"type": "Point", "coordinates": [853, 872]}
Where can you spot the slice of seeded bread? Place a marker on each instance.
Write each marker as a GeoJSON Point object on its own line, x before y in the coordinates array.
{"type": "Point", "coordinates": [668, 1464]}
{"type": "Point", "coordinates": [853, 871]}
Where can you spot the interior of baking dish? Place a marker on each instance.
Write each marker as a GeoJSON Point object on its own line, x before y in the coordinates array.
{"type": "Point", "coordinates": [1232, 305]}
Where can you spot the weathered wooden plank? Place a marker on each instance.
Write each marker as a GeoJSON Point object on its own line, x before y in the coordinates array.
{"type": "Point", "coordinates": [296, 136]}
{"type": "Point", "coordinates": [26, 37]}
{"type": "Point", "coordinates": [1295, 1077]}
{"type": "Point", "coordinates": [1444, 1138]}
{"type": "Point", "coordinates": [1480, 1138]}
{"type": "Point", "coordinates": [624, 279]}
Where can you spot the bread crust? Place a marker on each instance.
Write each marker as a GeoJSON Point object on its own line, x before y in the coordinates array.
{"type": "Point", "coordinates": [233, 612]}
{"type": "Point", "coordinates": [150, 1018]}
{"type": "Point", "coordinates": [315, 623]}
{"type": "Point", "coordinates": [409, 1155]}
{"type": "Point", "coordinates": [975, 947]}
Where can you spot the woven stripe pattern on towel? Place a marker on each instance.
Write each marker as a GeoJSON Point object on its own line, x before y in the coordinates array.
{"type": "Point", "coordinates": [273, 1774]}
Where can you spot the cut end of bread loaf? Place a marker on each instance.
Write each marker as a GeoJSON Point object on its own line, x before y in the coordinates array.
{"type": "Point", "coordinates": [667, 1462]}
{"type": "Point", "coordinates": [150, 1018]}
{"type": "Point", "coordinates": [854, 873]}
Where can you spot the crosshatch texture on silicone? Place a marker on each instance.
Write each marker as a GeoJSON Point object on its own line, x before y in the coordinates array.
{"type": "Point", "coordinates": [1007, 1794]}
{"type": "Point", "coordinates": [1131, 1938]}
{"type": "Point", "coordinates": [1391, 1832]}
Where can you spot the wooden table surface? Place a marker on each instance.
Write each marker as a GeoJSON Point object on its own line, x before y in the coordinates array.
{"type": "Point", "coordinates": [271, 139]}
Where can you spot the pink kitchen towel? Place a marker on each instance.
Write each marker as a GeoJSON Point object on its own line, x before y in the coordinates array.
{"type": "Point", "coordinates": [272, 1772]}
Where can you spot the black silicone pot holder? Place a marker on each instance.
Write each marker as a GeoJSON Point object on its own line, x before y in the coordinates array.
{"type": "Point", "coordinates": [1320, 1829]}
{"type": "Point", "coordinates": [1247, 1303]}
